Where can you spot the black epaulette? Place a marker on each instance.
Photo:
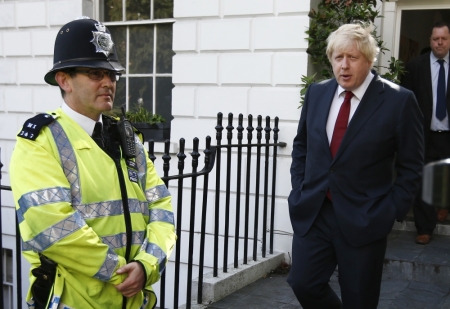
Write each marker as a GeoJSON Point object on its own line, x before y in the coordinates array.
{"type": "Point", "coordinates": [33, 126]}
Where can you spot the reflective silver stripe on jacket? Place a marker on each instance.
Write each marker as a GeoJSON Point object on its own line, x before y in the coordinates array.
{"type": "Point", "coordinates": [54, 233]}
{"type": "Point", "coordinates": [106, 270]}
{"type": "Point", "coordinates": [120, 240]}
{"type": "Point", "coordinates": [141, 162]}
{"type": "Point", "coordinates": [68, 161]}
{"type": "Point", "coordinates": [112, 208]}
{"type": "Point", "coordinates": [162, 215]}
{"type": "Point", "coordinates": [156, 251]}
{"type": "Point", "coordinates": [42, 197]}
{"type": "Point", "coordinates": [156, 193]}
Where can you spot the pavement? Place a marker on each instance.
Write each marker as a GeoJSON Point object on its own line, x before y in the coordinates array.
{"type": "Point", "coordinates": [414, 277]}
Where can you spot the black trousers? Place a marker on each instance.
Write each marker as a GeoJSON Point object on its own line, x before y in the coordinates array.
{"type": "Point", "coordinates": [315, 257]}
{"type": "Point", "coordinates": [437, 148]}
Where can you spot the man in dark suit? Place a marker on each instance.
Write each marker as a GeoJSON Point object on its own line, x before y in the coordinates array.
{"type": "Point", "coordinates": [422, 77]}
{"type": "Point", "coordinates": [349, 184]}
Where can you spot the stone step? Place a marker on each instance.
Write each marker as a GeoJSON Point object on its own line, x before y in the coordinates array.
{"type": "Point", "coordinates": [423, 263]}
{"type": "Point", "coordinates": [414, 277]}
{"type": "Point", "coordinates": [408, 225]}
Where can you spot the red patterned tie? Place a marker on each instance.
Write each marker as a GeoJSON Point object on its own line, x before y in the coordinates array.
{"type": "Point", "coordinates": [340, 127]}
{"type": "Point", "coordinates": [341, 124]}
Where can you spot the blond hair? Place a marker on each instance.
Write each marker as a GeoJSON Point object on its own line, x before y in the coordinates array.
{"type": "Point", "coordinates": [347, 34]}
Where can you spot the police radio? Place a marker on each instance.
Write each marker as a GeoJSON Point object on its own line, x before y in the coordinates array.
{"type": "Point", "coordinates": [126, 133]}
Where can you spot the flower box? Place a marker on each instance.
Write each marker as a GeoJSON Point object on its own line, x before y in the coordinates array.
{"type": "Point", "coordinates": [157, 132]}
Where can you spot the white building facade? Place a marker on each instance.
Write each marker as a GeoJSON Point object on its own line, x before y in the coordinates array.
{"type": "Point", "coordinates": [239, 56]}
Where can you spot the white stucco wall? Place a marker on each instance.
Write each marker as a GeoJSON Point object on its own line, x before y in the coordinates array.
{"type": "Point", "coordinates": [27, 35]}
{"type": "Point", "coordinates": [241, 57]}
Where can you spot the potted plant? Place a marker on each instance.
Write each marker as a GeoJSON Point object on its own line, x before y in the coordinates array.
{"type": "Point", "coordinates": [152, 126]}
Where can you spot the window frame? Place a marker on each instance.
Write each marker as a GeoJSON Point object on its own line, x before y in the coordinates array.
{"type": "Point", "coordinates": [127, 23]}
{"type": "Point", "coordinates": [9, 285]}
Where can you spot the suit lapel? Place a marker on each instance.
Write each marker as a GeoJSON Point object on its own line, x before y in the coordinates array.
{"type": "Point", "coordinates": [369, 103]}
{"type": "Point", "coordinates": [448, 92]}
{"type": "Point", "coordinates": [426, 78]}
{"type": "Point", "coordinates": [322, 118]}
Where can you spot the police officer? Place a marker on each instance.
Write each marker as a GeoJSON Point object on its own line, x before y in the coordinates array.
{"type": "Point", "coordinates": [95, 219]}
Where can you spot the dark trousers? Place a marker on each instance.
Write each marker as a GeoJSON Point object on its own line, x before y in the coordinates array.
{"type": "Point", "coordinates": [315, 257]}
{"type": "Point", "coordinates": [437, 148]}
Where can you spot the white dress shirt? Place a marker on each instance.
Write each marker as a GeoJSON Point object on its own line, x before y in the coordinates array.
{"type": "Point", "coordinates": [338, 99]}
{"type": "Point", "coordinates": [85, 122]}
{"type": "Point", "coordinates": [436, 124]}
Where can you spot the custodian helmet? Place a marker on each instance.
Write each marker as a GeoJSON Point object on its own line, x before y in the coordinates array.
{"type": "Point", "coordinates": [83, 42]}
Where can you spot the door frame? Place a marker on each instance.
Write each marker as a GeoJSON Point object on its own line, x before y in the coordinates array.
{"type": "Point", "coordinates": [411, 5]}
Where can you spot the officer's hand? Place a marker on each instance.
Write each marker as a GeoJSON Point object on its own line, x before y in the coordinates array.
{"type": "Point", "coordinates": [134, 281]}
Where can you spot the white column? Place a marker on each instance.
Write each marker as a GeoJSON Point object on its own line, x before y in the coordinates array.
{"type": "Point", "coordinates": [386, 29]}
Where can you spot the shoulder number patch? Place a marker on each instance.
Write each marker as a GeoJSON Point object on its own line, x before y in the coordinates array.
{"type": "Point", "coordinates": [33, 126]}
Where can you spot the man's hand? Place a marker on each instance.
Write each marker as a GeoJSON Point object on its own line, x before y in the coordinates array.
{"type": "Point", "coordinates": [134, 281]}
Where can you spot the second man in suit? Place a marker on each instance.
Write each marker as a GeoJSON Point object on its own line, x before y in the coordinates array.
{"type": "Point", "coordinates": [356, 168]}
{"type": "Point", "coordinates": [422, 76]}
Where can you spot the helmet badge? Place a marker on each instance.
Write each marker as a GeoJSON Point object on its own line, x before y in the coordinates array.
{"type": "Point", "coordinates": [102, 40]}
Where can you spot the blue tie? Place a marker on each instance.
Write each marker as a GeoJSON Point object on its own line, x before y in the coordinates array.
{"type": "Point", "coordinates": [441, 109]}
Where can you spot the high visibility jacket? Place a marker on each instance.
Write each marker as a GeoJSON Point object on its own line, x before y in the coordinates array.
{"type": "Point", "coordinates": [70, 209]}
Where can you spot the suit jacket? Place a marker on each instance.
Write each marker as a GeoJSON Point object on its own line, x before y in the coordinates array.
{"type": "Point", "coordinates": [376, 172]}
{"type": "Point", "coordinates": [418, 79]}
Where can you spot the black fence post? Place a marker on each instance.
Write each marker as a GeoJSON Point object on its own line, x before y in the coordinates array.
{"type": "Point", "coordinates": [247, 185]}
{"type": "Point", "coordinates": [227, 193]}
{"type": "Point", "coordinates": [207, 153]}
{"type": "Point", "coordinates": [166, 166]}
{"type": "Point", "coordinates": [181, 157]}
{"type": "Point", "coordinates": [219, 129]}
{"type": "Point", "coordinates": [266, 185]}
{"type": "Point", "coordinates": [258, 172]}
{"type": "Point", "coordinates": [195, 154]}
{"type": "Point", "coordinates": [151, 150]}
{"type": "Point", "coordinates": [274, 179]}
{"type": "Point", "coordinates": [239, 128]}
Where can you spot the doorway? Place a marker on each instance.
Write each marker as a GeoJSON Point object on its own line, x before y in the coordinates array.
{"type": "Point", "coordinates": [415, 30]}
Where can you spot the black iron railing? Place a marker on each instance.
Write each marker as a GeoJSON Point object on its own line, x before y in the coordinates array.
{"type": "Point", "coordinates": [17, 252]}
{"type": "Point", "coordinates": [245, 153]}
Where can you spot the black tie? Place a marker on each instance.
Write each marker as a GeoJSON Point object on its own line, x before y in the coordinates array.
{"type": "Point", "coordinates": [441, 110]}
{"type": "Point", "coordinates": [97, 135]}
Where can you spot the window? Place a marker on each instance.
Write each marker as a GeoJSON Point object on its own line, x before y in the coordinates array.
{"type": "Point", "coordinates": [142, 33]}
{"type": "Point", "coordinates": [7, 279]}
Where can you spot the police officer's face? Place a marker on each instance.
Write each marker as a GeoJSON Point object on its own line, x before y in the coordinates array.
{"type": "Point", "coordinates": [88, 96]}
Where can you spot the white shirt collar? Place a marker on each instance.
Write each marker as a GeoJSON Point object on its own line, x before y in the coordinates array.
{"type": "Point", "coordinates": [358, 93]}
{"type": "Point", "coordinates": [85, 122]}
{"type": "Point", "coordinates": [434, 59]}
